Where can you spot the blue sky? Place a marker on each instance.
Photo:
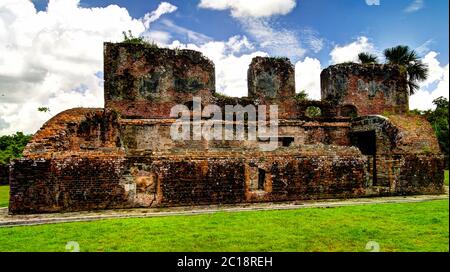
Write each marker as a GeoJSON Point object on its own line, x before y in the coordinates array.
{"type": "Point", "coordinates": [336, 21]}
{"type": "Point", "coordinates": [52, 51]}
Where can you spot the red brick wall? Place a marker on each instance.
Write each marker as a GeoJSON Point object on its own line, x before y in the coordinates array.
{"type": "Point", "coordinates": [371, 88]}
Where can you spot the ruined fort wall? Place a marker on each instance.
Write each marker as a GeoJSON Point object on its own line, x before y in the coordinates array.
{"type": "Point", "coordinates": [370, 88]}
{"type": "Point", "coordinates": [146, 82]}
{"type": "Point", "coordinates": [66, 184]}
{"type": "Point", "coordinates": [76, 130]}
{"type": "Point", "coordinates": [169, 179]}
{"type": "Point", "coordinates": [408, 159]}
{"type": "Point", "coordinates": [123, 156]}
{"type": "Point", "coordinates": [155, 135]}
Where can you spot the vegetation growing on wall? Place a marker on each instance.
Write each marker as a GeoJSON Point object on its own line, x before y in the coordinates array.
{"type": "Point", "coordinates": [129, 38]}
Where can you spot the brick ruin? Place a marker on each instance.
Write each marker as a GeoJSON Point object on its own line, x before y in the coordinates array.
{"type": "Point", "coordinates": [122, 156]}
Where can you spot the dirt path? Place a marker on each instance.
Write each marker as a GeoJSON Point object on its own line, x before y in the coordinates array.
{"type": "Point", "coordinates": [37, 219]}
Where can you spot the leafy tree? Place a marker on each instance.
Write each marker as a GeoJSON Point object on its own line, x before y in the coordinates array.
{"type": "Point", "coordinates": [439, 121]}
{"type": "Point", "coordinates": [402, 55]}
{"type": "Point", "coordinates": [367, 58]}
{"type": "Point", "coordinates": [11, 146]}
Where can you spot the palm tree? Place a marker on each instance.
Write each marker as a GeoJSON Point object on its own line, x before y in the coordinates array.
{"type": "Point", "coordinates": [367, 58]}
{"type": "Point", "coordinates": [416, 70]}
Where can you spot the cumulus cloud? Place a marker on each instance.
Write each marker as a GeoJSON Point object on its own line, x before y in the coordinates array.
{"type": "Point", "coordinates": [349, 52]}
{"type": "Point", "coordinates": [54, 58]}
{"type": "Point", "coordinates": [416, 5]}
{"type": "Point", "coordinates": [435, 86]}
{"type": "Point", "coordinates": [255, 16]}
{"type": "Point", "coordinates": [162, 9]}
{"type": "Point", "coordinates": [307, 77]}
{"type": "Point", "coordinates": [251, 8]}
{"type": "Point", "coordinates": [231, 59]}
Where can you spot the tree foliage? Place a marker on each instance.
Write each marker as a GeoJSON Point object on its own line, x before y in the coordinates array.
{"type": "Point", "coordinates": [11, 146]}
{"type": "Point", "coordinates": [417, 71]}
{"type": "Point", "coordinates": [367, 58]}
{"type": "Point", "coordinates": [439, 121]}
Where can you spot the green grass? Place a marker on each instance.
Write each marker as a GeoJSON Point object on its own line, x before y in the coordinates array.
{"type": "Point", "coordinates": [396, 227]}
{"type": "Point", "coordinates": [446, 177]}
{"type": "Point", "coordinates": [4, 196]}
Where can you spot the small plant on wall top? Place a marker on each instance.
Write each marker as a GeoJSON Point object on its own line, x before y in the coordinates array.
{"type": "Point", "coordinates": [131, 39]}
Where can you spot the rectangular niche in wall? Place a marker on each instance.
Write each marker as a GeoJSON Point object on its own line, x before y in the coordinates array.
{"type": "Point", "coordinates": [286, 141]}
{"type": "Point", "coordinates": [261, 179]}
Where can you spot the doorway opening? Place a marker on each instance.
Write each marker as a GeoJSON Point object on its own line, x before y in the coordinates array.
{"type": "Point", "coordinates": [366, 141]}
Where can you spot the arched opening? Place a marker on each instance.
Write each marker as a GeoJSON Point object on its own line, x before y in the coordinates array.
{"type": "Point", "coordinates": [349, 111]}
{"type": "Point", "coordinates": [313, 112]}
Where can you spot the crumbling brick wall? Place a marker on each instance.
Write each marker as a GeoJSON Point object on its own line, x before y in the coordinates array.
{"type": "Point", "coordinates": [370, 88]}
{"type": "Point", "coordinates": [171, 179]}
{"type": "Point", "coordinates": [76, 130]}
{"type": "Point", "coordinates": [67, 184]}
{"type": "Point", "coordinates": [123, 156]}
{"type": "Point", "coordinates": [146, 82]}
{"type": "Point", "coordinates": [407, 156]}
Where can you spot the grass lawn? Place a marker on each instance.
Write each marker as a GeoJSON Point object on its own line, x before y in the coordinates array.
{"type": "Point", "coordinates": [446, 177]}
{"type": "Point", "coordinates": [4, 196]}
{"type": "Point", "coordinates": [395, 227]}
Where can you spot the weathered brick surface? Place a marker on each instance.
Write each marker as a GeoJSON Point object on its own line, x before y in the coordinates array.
{"type": "Point", "coordinates": [123, 156]}
{"type": "Point", "coordinates": [370, 88]}
{"type": "Point", "coordinates": [66, 184]}
{"type": "Point", "coordinates": [145, 82]}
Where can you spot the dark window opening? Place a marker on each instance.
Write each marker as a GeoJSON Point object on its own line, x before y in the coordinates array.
{"type": "Point", "coordinates": [189, 105]}
{"type": "Point", "coordinates": [286, 141]}
{"type": "Point", "coordinates": [261, 178]}
{"type": "Point", "coordinates": [366, 141]}
{"type": "Point", "coordinates": [349, 111]}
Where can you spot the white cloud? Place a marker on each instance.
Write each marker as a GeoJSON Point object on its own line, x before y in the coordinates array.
{"type": "Point", "coordinates": [189, 35]}
{"type": "Point", "coordinates": [251, 8]}
{"type": "Point", "coordinates": [373, 2]}
{"type": "Point", "coordinates": [159, 37]}
{"type": "Point", "coordinates": [254, 16]}
{"type": "Point", "coordinates": [307, 77]}
{"type": "Point", "coordinates": [51, 58]}
{"type": "Point", "coordinates": [231, 59]}
{"type": "Point", "coordinates": [435, 86]}
{"type": "Point", "coordinates": [425, 47]}
{"type": "Point", "coordinates": [277, 41]}
{"type": "Point", "coordinates": [416, 5]}
{"type": "Point", "coordinates": [312, 39]}
{"type": "Point", "coordinates": [349, 52]}
{"type": "Point", "coordinates": [162, 9]}
{"type": "Point", "coordinates": [55, 58]}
